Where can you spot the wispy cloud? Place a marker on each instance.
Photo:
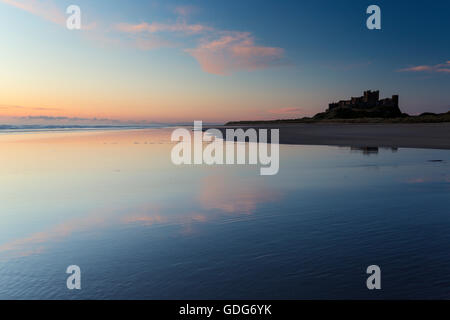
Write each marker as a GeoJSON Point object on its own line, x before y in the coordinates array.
{"type": "Point", "coordinates": [60, 120]}
{"type": "Point", "coordinates": [217, 51]}
{"type": "Point", "coordinates": [234, 51]}
{"type": "Point", "coordinates": [9, 107]}
{"type": "Point", "coordinates": [44, 9]}
{"type": "Point", "coordinates": [63, 118]}
{"type": "Point", "coordinates": [155, 27]}
{"type": "Point", "coordinates": [439, 68]}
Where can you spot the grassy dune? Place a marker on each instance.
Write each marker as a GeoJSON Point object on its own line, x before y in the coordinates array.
{"type": "Point", "coordinates": [426, 117]}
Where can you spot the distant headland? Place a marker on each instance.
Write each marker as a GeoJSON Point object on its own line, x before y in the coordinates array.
{"type": "Point", "coordinates": [368, 108]}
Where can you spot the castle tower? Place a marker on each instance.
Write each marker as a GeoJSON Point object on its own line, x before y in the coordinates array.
{"type": "Point", "coordinates": [366, 96]}
{"type": "Point", "coordinates": [376, 95]}
{"type": "Point", "coordinates": [395, 100]}
{"type": "Point", "coordinates": [371, 97]}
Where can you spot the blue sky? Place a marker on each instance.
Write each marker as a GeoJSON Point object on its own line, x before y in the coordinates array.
{"type": "Point", "coordinates": [218, 60]}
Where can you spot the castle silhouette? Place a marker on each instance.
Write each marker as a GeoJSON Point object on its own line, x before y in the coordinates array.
{"type": "Point", "coordinates": [370, 99]}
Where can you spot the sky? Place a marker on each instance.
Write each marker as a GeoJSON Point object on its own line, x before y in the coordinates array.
{"type": "Point", "coordinates": [177, 61]}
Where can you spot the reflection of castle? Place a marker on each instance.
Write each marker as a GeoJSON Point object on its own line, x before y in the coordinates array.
{"type": "Point", "coordinates": [370, 99]}
{"type": "Point", "coordinates": [371, 150]}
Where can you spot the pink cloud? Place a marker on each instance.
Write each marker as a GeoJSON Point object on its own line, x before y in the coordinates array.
{"type": "Point", "coordinates": [147, 36]}
{"type": "Point", "coordinates": [442, 67]}
{"type": "Point", "coordinates": [418, 68]}
{"type": "Point", "coordinates": [218, 52]}
{"type": "Point", "coordinates": [44, 9]}
{"type": "Point", "coordinates": [234, 51]}
{"type": "Point", "coordinates": [154, 27]}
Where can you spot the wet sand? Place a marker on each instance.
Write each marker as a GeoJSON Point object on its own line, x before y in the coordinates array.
{"type": "Point", "coordinates": [423, 135]}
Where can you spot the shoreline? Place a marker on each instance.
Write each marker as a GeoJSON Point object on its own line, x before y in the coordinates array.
{"type": "Point", "coordinates": [390, 135]}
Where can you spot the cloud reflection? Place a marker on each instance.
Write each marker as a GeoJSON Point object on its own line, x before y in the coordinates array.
{"type": "Point", "coordinates": [234, 195]}
{"type": "Point", "coordinates": [218, 197]}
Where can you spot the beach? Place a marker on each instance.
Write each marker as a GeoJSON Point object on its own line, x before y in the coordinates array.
{"type": "Point", "coordinates": [113, 203]}
{"type": "Point", "coordinates": [393, 135]}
